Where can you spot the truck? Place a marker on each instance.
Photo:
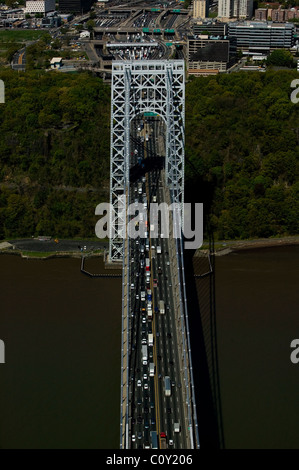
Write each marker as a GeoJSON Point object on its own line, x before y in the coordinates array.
{"type": "Point", "coordinates": [177, 427]}
{"type": "Point", "coordinates": [149, 314]}
{"type": "Point", "coordinates": [142, 295]}
{"type": "Point", "coordinates": [144, 355]}
{"type": "Point", "coordinates": [152, 369]}
{"type": "Point", "coordinates": [163, 443]}
{"type": "Point", "coordinates": [167, 386]}
{"type": "Point", "coordinates": [158, 249]}
{"type": "Point", "coordinates": [154, 440]}
{"type": "Point", "coordinates": [162, 307]}
{"type": "Point", "coordinates": [150, 339]}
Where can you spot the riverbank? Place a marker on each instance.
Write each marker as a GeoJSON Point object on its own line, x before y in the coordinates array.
{"type": "Point", "coordinates": [46, 249]}
{"type": "Point", "coordinates": [227, 247]}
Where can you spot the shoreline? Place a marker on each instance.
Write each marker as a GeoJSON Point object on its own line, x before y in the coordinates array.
{"type": "Point", "coordinates": [222, 248]}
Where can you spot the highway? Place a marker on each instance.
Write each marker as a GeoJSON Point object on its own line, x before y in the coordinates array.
{"type": "Point", "coordinates": [151, 410]}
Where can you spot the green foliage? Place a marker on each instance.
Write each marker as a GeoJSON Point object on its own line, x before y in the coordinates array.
{"type": "Point", "coordinates": [242, 153]}
{"type": "Point", "coordinates": [242, 147]}
{"type": "Point", "coordinates": [54, 153]}
{"type": "Point", "coordinates": [280, 57]}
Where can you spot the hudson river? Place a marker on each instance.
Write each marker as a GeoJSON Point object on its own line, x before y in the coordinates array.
{"type": "Point", "coordinates": [60, 386]}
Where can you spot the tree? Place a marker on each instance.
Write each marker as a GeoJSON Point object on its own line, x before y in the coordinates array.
{"type": "Point", "coordinates": [280, 57]}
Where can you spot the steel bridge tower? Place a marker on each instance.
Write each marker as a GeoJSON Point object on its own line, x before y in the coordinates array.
{"type": "Point", "coordinates": [139, 87]}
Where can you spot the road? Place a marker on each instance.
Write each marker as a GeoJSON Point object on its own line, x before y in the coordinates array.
{"type": "Point", "coordinates": [151, 409]}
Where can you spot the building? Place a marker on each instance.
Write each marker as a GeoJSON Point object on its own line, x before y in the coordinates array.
{"type": "Point", "coordinates": [200, 9]}
{"type": "Point", "coordinates": [39, 6]}
{"type": "Point", "coordinates": [16, 14]}
{"type": "Point", "coordinates": [207, 55]}
{"type": "Point", "coordinates": [225, 9]}
{"type": "Point", "coordinates": [213, 28]}
{"type": "Point", "coordinates": [51, 21]}
{"type": "Point", "coordinates": [235, 9]}
{"type": "Point", "coordinates": [75, 6]}
{"type": "Point", "coordinates": [261, 37]}
{"type": "Point", "coordinates": [276, 14]}
{"type": "Point", "coordinates": [56, 62]}
{"type": "Point", "coordinates": [261, 14]}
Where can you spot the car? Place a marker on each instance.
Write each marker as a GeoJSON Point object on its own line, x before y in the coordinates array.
{"type": "Point", "coordinates": [168, 263]}
{"type": "Point", "coordinates": [139, 401]}
{"type": "Point", "coordinates": [132, 285]}
{"type": "Point", "coordinates": [144, 341]}
{"type": "Point", "coordinates": [143, 319]}
{"type": "Point", "coordinates": [146, 410]}
{"type": "Point", "coordinates": [139, 383]}
{"type": "Point", "coordinates": [173, 383]}
{"type": "Point", "coordinates": [139, 435]}
{"type": "Point", "coordinates": [146, 386]}
{"type": "Point", "coordinates": [133, 438]}
{"type": "Point", "coordinates": [139, 419]}
{"type": "Point", "coordinates": [170, 442]}
{"type": "Point", "coordinates": [137, 296]}
{"type": "Point", "coordinates": [152, 405]}
{"type": "Point", "coordinates": [153, 421]}
{"type": "Point", "coordinates": [158, 334]}
{"type": "Point", "coordinates": [144, 376]}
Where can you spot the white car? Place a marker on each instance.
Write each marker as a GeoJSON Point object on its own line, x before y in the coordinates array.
{"type": "Point", "coordinates": [170, 442]}
{"type": "Point", "coordinates": [132, 285]}
{"type": "Point", "coordinates": [146, 386]}
{"type": "Point", "coordinates": [139, 383]}
{"type": "Point", "coordinates": [144, 376]}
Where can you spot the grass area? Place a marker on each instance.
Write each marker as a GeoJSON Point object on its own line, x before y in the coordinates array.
{"type": "Point", "coordinates": [37, 254]}
{"type": "Point", "coordinates": [19, 36]}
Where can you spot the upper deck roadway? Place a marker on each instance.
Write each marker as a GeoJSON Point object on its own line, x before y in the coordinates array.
{"type": "Point", "coordinates": [150, 411]}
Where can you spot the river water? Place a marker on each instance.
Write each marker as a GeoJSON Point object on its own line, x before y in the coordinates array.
{"type": "Point", "coordinates": [60, 386]}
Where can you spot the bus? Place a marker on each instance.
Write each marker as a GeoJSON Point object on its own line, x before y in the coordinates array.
{"type": "Point", "coordinates": [154, 440]}
{"type": "Point", "coordinates": [167, 386]}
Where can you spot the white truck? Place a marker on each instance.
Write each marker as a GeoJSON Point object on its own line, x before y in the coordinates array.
{"type": "Point", "coordinates": [177, 427]}
{"type": "Point", "coordinates": [150, 339]}
{"type": "Point", "coordinates": [161, 307]}
{"type": "Point", "coordinates": [152, 369]}
{"type": "Point", "coordinates": [149, 314]}
{"type": "Point", "coordinates": [144, 355]}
